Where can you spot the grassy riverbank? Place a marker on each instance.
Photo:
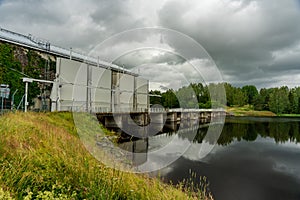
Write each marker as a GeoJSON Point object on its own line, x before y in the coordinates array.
{"type": "Point", "coordinates": [42, 156]}
{"type": "Point", "coordinates": [289, 115]}
{"type": "Point", "coordinates": [248, 111]}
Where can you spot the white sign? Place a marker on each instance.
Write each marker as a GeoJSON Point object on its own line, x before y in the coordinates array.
{"type": "Point", "coordinates": [4, 92]}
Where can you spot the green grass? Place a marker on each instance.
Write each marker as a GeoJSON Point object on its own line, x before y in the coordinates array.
{"type": "Point", "coordinates": [289, 115]}
{"type": "Point", "coordinates": [42, 157]}
{"type": "Point", "coordinates": [248, 110]}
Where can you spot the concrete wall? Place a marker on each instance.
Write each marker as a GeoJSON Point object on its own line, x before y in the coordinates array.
{"type": "Point", "coordinates": [123, 93]}
{"type": "Point", "coordinates": [126, 92]}
{"type": "Point", "coordinates": [142, 89]}
{"type": "Point", "coordinates": [71, 76]}
{"type": "Point", "coordinates": [83, 87]}
{"type": "Point", "coordinates": [130, 92]}
{"type": "Point", "coordinates": [101, 89]}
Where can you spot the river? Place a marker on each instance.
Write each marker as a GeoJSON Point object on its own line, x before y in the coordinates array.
{"type": "Point", "coordinates": [254, 158]}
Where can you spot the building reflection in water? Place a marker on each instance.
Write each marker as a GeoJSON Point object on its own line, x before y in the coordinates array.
{"type": "Point", "coordinates": [139, 149]}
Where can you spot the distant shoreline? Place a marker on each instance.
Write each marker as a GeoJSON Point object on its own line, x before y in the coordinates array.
{"type": "Point", "coordinates": [246, 111]}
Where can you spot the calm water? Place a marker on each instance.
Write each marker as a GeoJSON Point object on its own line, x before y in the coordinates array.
{"type": "Point", "coordinates": [255, 158]}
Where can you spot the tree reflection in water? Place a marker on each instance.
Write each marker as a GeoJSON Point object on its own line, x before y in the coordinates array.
{"type": "Point", "coordinates": [249, 128]}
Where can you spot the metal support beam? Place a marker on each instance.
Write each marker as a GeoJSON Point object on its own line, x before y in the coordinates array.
{"type": "Point", "coordinates": [30, 80]}
{"type": "Point", "coordinates": [134, 95]}
{"type": "Point", "coordinates": [71, 51]}
{"type": "Point", "coordinates": [26, 96]}
{"type": "Point", "coordinates": [88, 89]}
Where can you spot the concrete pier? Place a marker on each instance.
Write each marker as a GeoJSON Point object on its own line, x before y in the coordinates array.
{"type": "Point", "coordinates": [158, 117]}
{"type": "Point", "coordinates": [118, 120]}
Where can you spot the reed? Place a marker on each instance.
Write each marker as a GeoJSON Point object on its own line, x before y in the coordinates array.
{"type": "Point", "coordinates": [42, 157]}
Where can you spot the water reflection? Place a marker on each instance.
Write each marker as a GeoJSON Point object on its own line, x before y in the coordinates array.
{"type": "Point", "coordinates": [256, 158]}
{"type": "Point", "coordinates": [249, 128]}
{"type": "Point", "coordinates": [236, 129]}
{"type": "Point", "coordinates": [139, 148]}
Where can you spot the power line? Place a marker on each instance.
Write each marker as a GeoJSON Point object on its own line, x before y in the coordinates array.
{"type": "Point", "coordinates": [19, 72]}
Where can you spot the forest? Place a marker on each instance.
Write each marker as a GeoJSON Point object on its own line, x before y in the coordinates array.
{"type": "Point", "coordinates": [280, 100]}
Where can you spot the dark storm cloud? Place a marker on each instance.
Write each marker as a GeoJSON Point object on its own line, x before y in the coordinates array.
{"type": "Point", "coordinates": [78, 24]}
{"type": "Point", "coordinates": [115, 15]}
{"type": "Point", "coordinates": [31, 13]}
{"type": "Point", "coordinates": [241, 38]}
{"type": "Point", "coordinates": [252, 42]}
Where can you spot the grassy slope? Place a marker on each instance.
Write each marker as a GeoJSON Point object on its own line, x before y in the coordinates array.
{"type": "Point", "coordinates": [42, 152]}
{"type": "Point", "coordinates": [248, 111]}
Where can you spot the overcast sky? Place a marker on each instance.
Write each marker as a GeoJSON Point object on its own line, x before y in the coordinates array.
{"type": "Point", "coordinates": [252, 42]}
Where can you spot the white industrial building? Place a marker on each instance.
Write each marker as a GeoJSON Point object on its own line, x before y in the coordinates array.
{"type": "Point", "coordinates": [86, 83]}
{"type": "Point", "coordinates": [87, 87]}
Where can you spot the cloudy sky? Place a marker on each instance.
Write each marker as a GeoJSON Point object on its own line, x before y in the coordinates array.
{"type": "Point", "coordinates": [251, 42]}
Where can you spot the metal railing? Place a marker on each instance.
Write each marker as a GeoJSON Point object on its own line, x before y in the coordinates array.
{"type": "Point", "coordinates": [44, 45]}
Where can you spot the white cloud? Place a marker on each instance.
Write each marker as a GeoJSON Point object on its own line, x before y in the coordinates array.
{"type": "Point", "coordinates": [240, 35]}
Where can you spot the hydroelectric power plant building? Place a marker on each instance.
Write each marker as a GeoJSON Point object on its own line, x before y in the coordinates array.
{"type": "Point", "coordinates": [84, 83]}
{"type": "Point", "coordinates": [85, 86]}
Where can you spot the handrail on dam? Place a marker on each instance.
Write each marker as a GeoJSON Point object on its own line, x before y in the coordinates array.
{"type": "Point", "coordinates": [43, 45]}
{"type": "Point", "coordinates": [159, 110]}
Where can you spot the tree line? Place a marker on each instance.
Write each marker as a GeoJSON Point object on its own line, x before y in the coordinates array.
{"type": "Point", "coordinates": [196, 95]}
